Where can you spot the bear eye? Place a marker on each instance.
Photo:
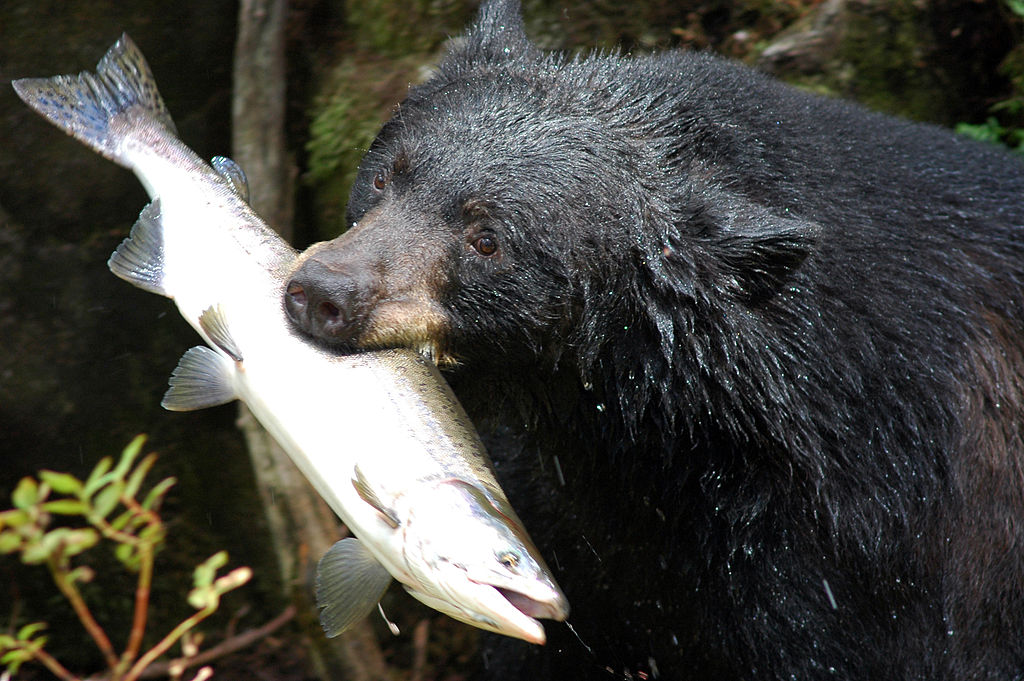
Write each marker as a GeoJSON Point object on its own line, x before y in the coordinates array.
{"type": "Point", "coordinates": [485, 245]}
{"type": "Point", "coordinates": [380, 180]}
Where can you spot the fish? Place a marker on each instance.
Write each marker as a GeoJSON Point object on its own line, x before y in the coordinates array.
{"type": "Point", "coordinates": [380, 435]}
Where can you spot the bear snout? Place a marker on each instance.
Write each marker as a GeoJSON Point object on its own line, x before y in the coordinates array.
{"type": "Point", "coordinates": [329, 302]}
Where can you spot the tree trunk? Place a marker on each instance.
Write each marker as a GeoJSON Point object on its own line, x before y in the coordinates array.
{"type": "Point", "coordinates": [301, 524]}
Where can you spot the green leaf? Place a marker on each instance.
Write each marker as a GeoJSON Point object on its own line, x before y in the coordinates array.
{"type": "Point", "coordinates": [26, 494]}
{"type": "Point", "coordinates": [36, 551]}
{"type": "Point", "coordinates": [156, 495]}
{"type": "Point", "coordinates": [65, 483]}
{"type": "Point", "coordinates": [135, 481]}
{"type": "Point", "coordinates": [82, 573]}
{"type": "Point", "coordinates": [203, 597]}
{"type": "Point", "coordinates": [205, 572]}
{"type": "Point", "coordinates": [98, 477]}
{"type": "Point", "coordinates": [128, 456]}
{"type": "Point", "coordinates": [233, 580]}
{"type": "Point", "coordinates": [121, 521]}
{"type": "Point", "coordinates": [152, 534]}
{"type": "Point", "coordinates": [107, 498]}
{"type": "Point", "coordinates": [128, 556]}
{"type": "Point", "coordinates": [10, 541]}
{"type": "Point", "coordinates": [77, 541]}
{"type": "Point", "coordinates": [15, 517]}
{"type": "Point", "coordinates": [30, 630]}
{"type": "Point", "coordinates": [14, 659]}
{"type": "Point", "coordinates": [66, 507]}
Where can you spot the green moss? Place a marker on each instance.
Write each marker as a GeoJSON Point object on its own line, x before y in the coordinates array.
{"type": "Point", "coordinates": [883, 48]}
{"type": "Point", "coordinates": [358, 95]}
{"type": "Point", "coordinates": [1005, 124]}
{"type": "Point", "coordinates": [395, 29]}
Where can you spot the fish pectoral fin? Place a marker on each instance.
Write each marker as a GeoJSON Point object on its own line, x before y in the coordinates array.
{"type": "Point", "coordinates": [234, 175]}
{"type": "Point", "coordinates": [349, 583]}
{"type": "Point", "coordinates": [367, 494]}
{"type": "Point", "coordinates": [139, 259]}
{"type": "Point", "coordinates": [202, 379]}
{"type": "Point", "coordinates": [214, 324]}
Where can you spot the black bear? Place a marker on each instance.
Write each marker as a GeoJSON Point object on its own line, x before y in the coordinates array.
{"type": "Point", "coordinates": [749, 361]}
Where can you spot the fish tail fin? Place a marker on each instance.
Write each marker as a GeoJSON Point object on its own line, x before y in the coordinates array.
{"type": "Point", "coordinates": [88, 106]}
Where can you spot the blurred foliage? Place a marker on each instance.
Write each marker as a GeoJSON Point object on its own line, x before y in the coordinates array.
{"type": "Point", "coordinates": [1005, 125]}
{"type": "Point", "coordinates": [108, 507]}
{"type": "Point", "coordinates": [397, 29]}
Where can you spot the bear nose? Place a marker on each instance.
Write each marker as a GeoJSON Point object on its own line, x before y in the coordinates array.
{"type": "Point", "coordinates": [328, 302]}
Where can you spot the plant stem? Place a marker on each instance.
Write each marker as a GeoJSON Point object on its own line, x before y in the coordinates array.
{"type": "Point", "coordinates": [167, 641]}
{"type": "Point", "coordinates": [59, 571]}
{"type": "Point", "coordinates": [142, 590]}
{"type": "Point", "coordinates": [54, 666]}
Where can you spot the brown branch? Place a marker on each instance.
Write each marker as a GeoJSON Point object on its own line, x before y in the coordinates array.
{"type": "Point", "coordinates": [51, 663]}
{"type": "Point", "coordinates": [59, 571]}
{"type": "Point", "coordinates": [225, 647]}
{"type": "Point", "coordinates": [141, 614]}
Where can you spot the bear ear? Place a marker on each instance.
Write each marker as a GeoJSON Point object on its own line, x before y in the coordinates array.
{"type": "Point", "coordinates": [498, 33]}
{"type": "Point", "coordinates": [758, 268]}
{"type": "Point", "coordinates": [756, 251]}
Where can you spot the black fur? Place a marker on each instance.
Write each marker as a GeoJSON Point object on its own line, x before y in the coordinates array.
{"type": "Point", "coordinates": [749, 361]}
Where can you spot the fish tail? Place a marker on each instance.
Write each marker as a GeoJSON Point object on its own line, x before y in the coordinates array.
{"type": "Point", "coordinates": [89, 106]}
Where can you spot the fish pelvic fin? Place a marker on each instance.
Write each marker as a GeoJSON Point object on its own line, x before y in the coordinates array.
{"type": "Point", "coordinates": [349, 583]}
{"type": "Point", "coordinates": [202, 379]}
{"type": "Point", "coordinates": [88, 106]}
{"type": "Point", "coordinates": [139, 259]}
{"type": "Point", "coordinates": [214, 324]}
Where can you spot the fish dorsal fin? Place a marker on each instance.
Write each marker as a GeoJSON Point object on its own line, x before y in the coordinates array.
{"type": "Point", "coordinates": [202, 379]}
{"type": "Point", "coordinates": [349, 583]}
{"type": "Point", "coordinates": [367, 494]}
{"type": "Point", "coordinates": [214, 324]}
{"type": "Point", "coordinates": [233, 173]}
{"type": "Point", "coordinates": [139, 259]}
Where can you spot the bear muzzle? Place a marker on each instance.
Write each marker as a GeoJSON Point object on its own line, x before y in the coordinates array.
{"type": "Point", "coordinates": [330, 302]}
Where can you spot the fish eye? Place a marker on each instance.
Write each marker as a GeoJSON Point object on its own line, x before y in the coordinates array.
{"type": "Point", "coordinates": [509, 559]}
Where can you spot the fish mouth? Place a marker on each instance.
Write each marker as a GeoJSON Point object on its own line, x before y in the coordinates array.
{"type": "Point", "coordinates": [499, 609]}
{"type": "Point", "coordinates": [556, 608]}
{"type": "Point", "coordinates": [514, 613]}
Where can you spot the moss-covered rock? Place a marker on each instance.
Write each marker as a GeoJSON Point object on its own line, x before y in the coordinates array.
{"type": "Point", "coordinates": [400, 28]}
{"type": "Point", "coordinates": [932, 62]}
{"type": "Point", "coordinates": [356, 97]}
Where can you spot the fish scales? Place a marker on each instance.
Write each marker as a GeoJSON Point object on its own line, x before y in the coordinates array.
{"type": "Point", "coordinates": [379, 435]}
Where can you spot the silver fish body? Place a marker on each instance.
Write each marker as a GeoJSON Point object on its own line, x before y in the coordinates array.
{"type": "Point", "coordinates": [379, 435]}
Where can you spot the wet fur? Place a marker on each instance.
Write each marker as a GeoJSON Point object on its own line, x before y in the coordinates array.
{"type": "Point", "coordinates": [749, 361]}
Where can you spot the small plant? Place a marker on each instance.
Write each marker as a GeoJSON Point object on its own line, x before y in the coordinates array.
{"type": "Point", "coordinates": [1005, 125]}
{"type": "Point", "coordinates": [993, 131]}
{"type": "Point", "coordinates": [108, 502]}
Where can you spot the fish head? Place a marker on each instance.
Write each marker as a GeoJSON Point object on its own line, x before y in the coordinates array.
{"type": "Point", "coordinates": [474, 562]}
